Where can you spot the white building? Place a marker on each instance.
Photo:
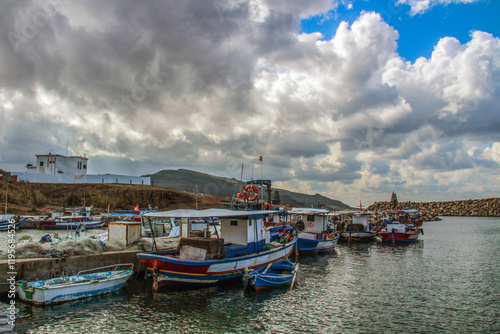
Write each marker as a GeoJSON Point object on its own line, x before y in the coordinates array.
{"type": "Point", "coordinates": [56, 168]}
{"type": "Point", "coordinates": [59, 164]}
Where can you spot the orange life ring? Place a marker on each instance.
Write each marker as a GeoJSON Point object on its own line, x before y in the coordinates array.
{"type": "Point", "coordinates": [250, 188]}
{"type": "Point", "coordinates": [267, 206]}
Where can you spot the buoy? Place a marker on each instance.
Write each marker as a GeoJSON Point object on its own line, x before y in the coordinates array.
{"type": "Point", "coordinates": [251, 189]}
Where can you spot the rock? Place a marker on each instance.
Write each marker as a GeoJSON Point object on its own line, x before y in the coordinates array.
{"type": "Point", "coordinates": [489, 207]}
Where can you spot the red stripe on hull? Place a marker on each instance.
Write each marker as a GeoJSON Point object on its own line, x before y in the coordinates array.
{"type": "Point", "coordinates": [176, 267]}
{"type": "Point", "coordinates": [399, 236]}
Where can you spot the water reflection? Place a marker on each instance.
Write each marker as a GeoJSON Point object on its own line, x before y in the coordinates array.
{"type": "Point", "coordinates": [447, 282]}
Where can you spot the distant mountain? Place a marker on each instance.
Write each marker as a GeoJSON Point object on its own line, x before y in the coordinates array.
{"type": "Point", "coordinates": [188, 180]}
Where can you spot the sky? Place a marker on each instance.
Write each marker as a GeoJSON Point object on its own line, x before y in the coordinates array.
{"type": "Point", "coordinates": [349, 99]}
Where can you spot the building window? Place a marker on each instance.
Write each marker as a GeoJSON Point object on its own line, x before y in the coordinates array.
{"type": "Point", "coordinates": [41, 163]}
{"type": "Point", "coordinates": [84, 166]}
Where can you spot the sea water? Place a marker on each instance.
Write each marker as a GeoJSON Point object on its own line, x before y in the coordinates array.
{"type": "Point", "coordinates": [447, 282]}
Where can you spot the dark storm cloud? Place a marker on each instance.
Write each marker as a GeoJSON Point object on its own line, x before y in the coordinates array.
{"type": "Point", "coordinates": [208, 85]}
{"type": "Point", "coordinates": [295, 145]}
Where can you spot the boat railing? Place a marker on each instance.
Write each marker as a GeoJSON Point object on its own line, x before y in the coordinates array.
{"type": "Point", "coordinates": [125, 266]}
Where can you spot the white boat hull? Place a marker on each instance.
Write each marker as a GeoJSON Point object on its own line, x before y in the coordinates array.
{"type": "Point", "coordinates": [70, 291]}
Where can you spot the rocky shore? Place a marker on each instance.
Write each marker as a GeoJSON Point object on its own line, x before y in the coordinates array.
{"type": "Point", "coordinates": [489, 207]}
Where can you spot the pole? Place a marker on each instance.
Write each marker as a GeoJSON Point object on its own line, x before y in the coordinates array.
{"type": "Point", "coordinates": [196, 196]}
{"type": "Point", "coordinates": [350, 231]}
{"type": "Point", "coordinates": [6, 188]}
{"type": "Point", "coordinates": [262, 181]}
{"type": "Point", "coordinates": [153, 246]}
{"type": "Point", "coordinates": [294, 274]}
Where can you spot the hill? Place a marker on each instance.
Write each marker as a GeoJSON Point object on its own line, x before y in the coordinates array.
{"type": "Point", "coordinates": [31, 198]}
{"type": "Point", "coordinates": [192, 181]}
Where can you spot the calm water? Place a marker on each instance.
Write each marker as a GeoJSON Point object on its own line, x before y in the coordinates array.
{"type": "Point", "coordinates": [447, 282]}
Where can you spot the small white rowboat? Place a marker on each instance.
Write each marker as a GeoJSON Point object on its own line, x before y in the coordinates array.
{"type": "Point", "coordinates": [87, 283]}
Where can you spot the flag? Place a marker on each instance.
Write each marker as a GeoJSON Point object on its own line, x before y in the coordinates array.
{"type": "Point", "coordinates": [260, 158]}
{"type": "Point", "coordinates": [136, 208]}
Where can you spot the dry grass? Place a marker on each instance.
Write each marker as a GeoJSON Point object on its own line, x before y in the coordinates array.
{"type": "Point", "coordinates": [31, 198]}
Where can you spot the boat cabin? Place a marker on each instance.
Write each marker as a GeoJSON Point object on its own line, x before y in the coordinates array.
{"type": "Point", "coordinates": [396, 227]}
{"type": "Point", "coordinates": [360, 222]}
{"type": "Point", "coordinates": [240, 232]}
{"type": "Point", "coordinates": [315, 220]}
{"type": "Point", "coordinates": [244, 235]}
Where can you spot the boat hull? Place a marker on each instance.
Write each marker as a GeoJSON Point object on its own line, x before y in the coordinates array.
{"type": "Point", "coordinates": [6, 225]}
{"type": "Point", "coordinates": [358, 236]}
{"type": "Point", "coordinates": [171, 269]}
{"type": "Point", "coordinates": [399, 237]}
{"type": "Point", "coordinates": [56, 293]}
{"type": "Point", "coordinates": [307, 246]}
{"type": "Point", "coordinates": [72, 225]}
{"type": "Point", "coordinates": [279, 274]}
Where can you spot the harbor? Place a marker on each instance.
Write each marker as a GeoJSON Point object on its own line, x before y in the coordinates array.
{"type": "Point", "coordinates": [442, 283]}
{"type": "Point", "coordinates": [250, 166]}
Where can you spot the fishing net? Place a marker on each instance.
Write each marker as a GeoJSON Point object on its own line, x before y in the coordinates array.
{"type": "Point", "coordinates": [82, 246]}
{"type": "Point", "coordinates": [27, 250]}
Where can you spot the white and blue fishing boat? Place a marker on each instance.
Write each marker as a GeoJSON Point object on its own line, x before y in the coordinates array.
{"type": "Point", "coordinates": [359, 229]}
{"type": "Point", "coordinates": [275, 275]}
{"type": "Point", "coordinates": [318, 235]}
{"type": "Point", "coordinates": [87, 283]}
{"type": "Point", "coordinates": [243, 243]}
{"type": "Point", "coordinates": [10, 222]}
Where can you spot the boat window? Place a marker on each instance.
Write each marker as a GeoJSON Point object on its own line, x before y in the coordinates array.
{"type": "Point", "coordinates": [310, 218]}
{"type": "Point", "coordinates": [234, 223]}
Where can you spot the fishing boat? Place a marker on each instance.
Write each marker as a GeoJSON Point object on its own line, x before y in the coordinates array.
{"type": "Point", "coordinates": [71, 222]}
{"type": "Point", "coordinates": [318, 235]}
{"type": "Point", "coordinates": [76, 219]}
{"type": "Point", "coordinates": [121, 216]}
{"type": "Point", "coordinates": [86, 283]}
{"type": "Point", "coordinates": [10, 222]}
{"type": "Point", "coordinates": [401, 226]}
{"type": "Point", "coordinates": [358, 229]}
{"type": "Point", "coordinates": [243, 243]}
{"type": "Point", "coordinates": [275, 275]}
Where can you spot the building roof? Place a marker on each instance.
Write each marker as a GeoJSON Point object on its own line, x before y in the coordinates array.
{"type": "Point", "coordinates": [59, 155]}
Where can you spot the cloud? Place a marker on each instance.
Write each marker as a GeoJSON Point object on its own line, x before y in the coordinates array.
{"type": "Point", "coordinates": [422, 6]}
{"type": "Point", "coordinates": [210, 85]}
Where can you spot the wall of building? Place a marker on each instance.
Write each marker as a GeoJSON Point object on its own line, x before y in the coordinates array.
{"type": "Point", "coordinates": [44, 178]}
{"type": "Point", "coordinates": [62, 178]}
{"type": "Point", "coordinates": [58, 164]}
{"type": "Point", "coordinates": [115, 178]}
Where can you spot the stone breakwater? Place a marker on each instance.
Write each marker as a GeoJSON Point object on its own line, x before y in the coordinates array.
{"type": "Point", "coordinates": [489, 207]}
